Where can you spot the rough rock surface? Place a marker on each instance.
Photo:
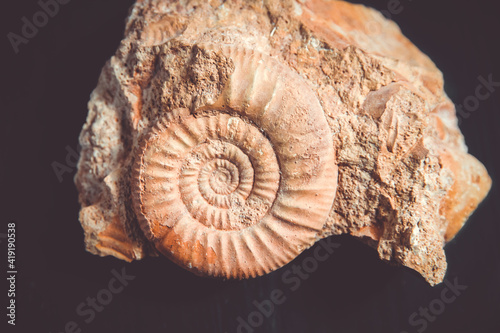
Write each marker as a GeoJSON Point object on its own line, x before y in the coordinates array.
{"type": "Point", "coordinates": [406, 184]}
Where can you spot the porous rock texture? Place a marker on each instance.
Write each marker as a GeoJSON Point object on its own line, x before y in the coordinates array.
{"type": "Point", "coordinates": [406, 184]}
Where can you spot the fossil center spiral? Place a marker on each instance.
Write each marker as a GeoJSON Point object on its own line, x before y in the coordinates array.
{"type": "Point", "coordinates": [223, 176]}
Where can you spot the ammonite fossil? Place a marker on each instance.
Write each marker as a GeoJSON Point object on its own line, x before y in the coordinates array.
{"type": "Point", "coordinates": [239, 187]}
{"type": "Point", "coordinates": [231, 136]}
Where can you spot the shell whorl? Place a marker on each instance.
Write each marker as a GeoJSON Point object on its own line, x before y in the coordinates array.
{"type": "Point", "coordinates": [240, 187]}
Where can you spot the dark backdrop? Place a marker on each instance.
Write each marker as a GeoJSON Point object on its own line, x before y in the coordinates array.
{"type": "Point", "coordinates": [45, 89]}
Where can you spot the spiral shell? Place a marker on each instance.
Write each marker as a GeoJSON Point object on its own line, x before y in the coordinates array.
{"type": "Point", "coordinates": [240, 187]}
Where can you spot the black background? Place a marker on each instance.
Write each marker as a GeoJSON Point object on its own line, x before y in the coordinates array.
{"type": "Point", "coordinates": [44, 94]}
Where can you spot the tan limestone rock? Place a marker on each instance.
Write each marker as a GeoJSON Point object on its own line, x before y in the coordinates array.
{"type": "Point", "coordinates": [355, 132]}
